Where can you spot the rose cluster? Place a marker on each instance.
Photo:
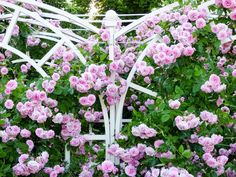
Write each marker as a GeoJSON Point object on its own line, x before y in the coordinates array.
{"type": "Point", "coordinates": [44, 134]}
{"type": "Point", "coordinates": [213, 85]}
{"type": "Point", "coordinates": [143, 131]}
{"type": "Point", "coordinates": [187, 122]}
{"type": "Point", "coordinates": [38, 107]}
{"type": "Point", "coordinates": [208, 117]}
{"type": "Point", "coordinates": [28, 165]}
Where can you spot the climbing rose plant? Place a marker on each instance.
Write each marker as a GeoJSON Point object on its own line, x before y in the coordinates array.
{"type": "Point", "coordinates": [187, 130]}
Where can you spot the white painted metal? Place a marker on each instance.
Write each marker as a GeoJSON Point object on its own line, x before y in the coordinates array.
{"type": "Point", "coordinates": [207, 4]}
{"type": "Point", "coordinates": [25, 61]}
{"type": "Point", "coordinates": [27, 58]}
{"type": "Point", "coordinates": [46, 37]}
{"type": "Point", "coordinates": [67, 156]}
{"type": "Point", "coordinates": [10, 28]}
{"type": "Point", "coordinates": [50, 53]}
{"type": "Point", "coordinates": [37, 17]}
{"type": "Point", "coordinates": [142, 19]}
{"type": "Point", "coordinates": [142, 89]}
{"type": "Point", "coordinates": [130, 76]}
{"type": "Point", "coordinates": [106, 124]}
{"type": "Point", "coordinates": [110, 22]}
{"type": "Point", "coordinates": [72, 18]}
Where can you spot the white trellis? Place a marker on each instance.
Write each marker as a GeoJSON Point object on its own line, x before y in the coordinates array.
{"type": "Point", "coordinates": [113, 119]}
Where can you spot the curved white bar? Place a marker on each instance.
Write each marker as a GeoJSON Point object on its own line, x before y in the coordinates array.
{"type": "Point", "coordinates": [131, 74]}
{"type": "Point", "coordinates": [37, 17]}
{"type": "Point", "coordinates": [71, 17]}
{"type": "Point", "coordinates": [25, 57]}
{"type": "Point", "coordinates": [106, 123]}
{"type": "Point", "coordinates": [10, 28]}
{"type": "Point", "coordinates": [142, 19]}
{"type": "Point", "coordinates": [50, 53]}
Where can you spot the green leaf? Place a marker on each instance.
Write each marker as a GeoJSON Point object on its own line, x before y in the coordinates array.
{"type": "Point", "coordinates": [2, 122]}
{"type": "Point", "coordinates": [181, 148]}
{"type": "Point", "coordinates": [165, 118]}
{"type": "Point", "coordinates": [2, 153]}
{"type": "Point", "coordinates": [187, 154]}
{"type": "Point", "coordinates": [178, 90]}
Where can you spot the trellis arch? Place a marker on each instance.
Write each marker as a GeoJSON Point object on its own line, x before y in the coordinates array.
{"type": "Point", "coordinates": [113, 120]}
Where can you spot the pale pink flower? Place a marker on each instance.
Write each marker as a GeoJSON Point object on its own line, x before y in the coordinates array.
{"type": "Point", "coordinates": [25, 133]}
{"type": "Point", "coordinates": [200, 23]}
{"type": "Point", "coordinates": [228, 3]}
{"type": "Point", "coordinates": [4, 70]}
{"type": "Point", "coordinates": [130, 170]}
{"type": "Point", "coordinates": [233, 15]}
{"type": "Point", "coordinates": [174, 104]}
{"type": "Point", "coordinates": [105, 36]}
{"type": "Point", "coordinates": [9, 104]}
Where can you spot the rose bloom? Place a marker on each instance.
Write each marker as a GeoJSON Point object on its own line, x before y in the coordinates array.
{"type": "Point", "coordinates": [9, 104]}
{"type": "Point", "coordinates": [105, 36]}
{"type": "Point", "coordinates": [4, 70]}
{"type": "Point", "coordinates": [228, 3]}
{"type": "Point", "coordinates": [130, 170]}
{"type": "Point", "coordinates": [107, 166]}
{"type": "Point", "coordinates": [200, 23]}
{"type": "Point", "coordinates": [174, 104]}
{"type": "Point", "coordinates": [233, 15]}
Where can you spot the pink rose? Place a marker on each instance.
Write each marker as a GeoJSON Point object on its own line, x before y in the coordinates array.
{"type": "Point", "coordinates": [33, 166]}
{"type": "Point", "coordinates": [30, 144]}
{"type": "Point", "coordinates": [130, 170]}
{"type": "Point", "coordinates": [91, 99]}
{"type": "Point", "coordinates": [188, 51]}
{"type": "Point", "coordinates": [9, 104]}
{"type": "Point", "coordinates": [228, 3]}
{"type": "Point", "coordinates": [4, 70]}
{"type": "Point", "coordinates": [158, 143]}
{"type": "Point", "coordinates": [174, 104]}
{"type": "Point", "coordinates": [84, 101]}
{"type": "Point", "coordinates": [193, 15]}
{"type": "Point", "coordinates": [233, 15]}
{"type": "Point", "coordinates": [107, 166]}
{"type": "Point", "coordinates": [11, 85]}
{"type": "Point", "coordinates": [24, 68]}
{"type": "Point", "coordinates": [105, 36]}
{"type": "Point", "coordinates": [200, 23]}
{"type": "Point", "coordinates": [68, 56]}
{"type": "Point", "coordinates": [25, 133]}
{"type": "Point", "coordinates": [150, 151]}
{"type": "Point", "coordinates": [214, 80]}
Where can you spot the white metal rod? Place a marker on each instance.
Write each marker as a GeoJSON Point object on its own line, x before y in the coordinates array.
{"type": "Point", "coordinates": [10, 28]}
{"type": "Point", "coordinates": [130, 76]}
{"type": "Point", "coordinates": [142, 19]}
{"type": "Point", "coordinates": [112, 107]}
{"type": "Point", "coordinates": [72, 18]}
{"type": "Point", "coordinates": [45, 37]}
{"type": "Point", "coordinates": [67, 157]}
{"type": "Point", "coordinates": [207, 4]}
{"type": "Point", "coordinates": [95, 137]}
{"type": "Point", "coordinates": [27, 58]}
{"type": "Point", "coordinates": [36, 16]}
{"type": "Point", "coordinates": [142, 89]}
{"type": "Point", "coordinates": [50, 53]}
{"type": "Point", "coordinates": [62, 18]}
{"type": "Point", "coordinates": [25, 61]}
{"type": "Point", "coordinates": [106, 124]}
